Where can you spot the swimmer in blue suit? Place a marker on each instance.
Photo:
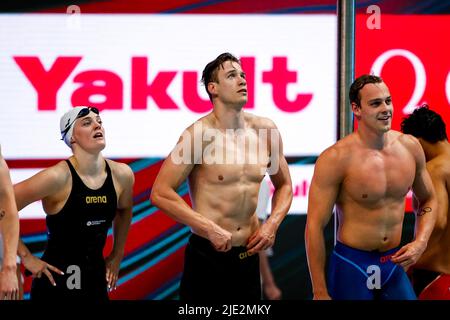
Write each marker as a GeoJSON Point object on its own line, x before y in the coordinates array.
{"type": "Point", "coordinates": [367, 176]}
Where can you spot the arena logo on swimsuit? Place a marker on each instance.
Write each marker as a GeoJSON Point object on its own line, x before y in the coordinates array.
{"type": "Point", "coordinates": [244, 255]}
{"type": "Point", "coordinates": [96, 199]}
{"type": "Point", "coordinates": [109, 84]}
{"type": "Point", "coordinates": [385, 259]}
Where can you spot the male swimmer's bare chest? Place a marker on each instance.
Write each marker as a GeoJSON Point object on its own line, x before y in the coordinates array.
{"type": "Point", "coordinates": [234, 157]}
{"type": "Point", "coordinates": [227, 175]}
{"type": "Point", "coordinates": [228, 187]}
{"type": "Point", "coordinates": [375, 176]}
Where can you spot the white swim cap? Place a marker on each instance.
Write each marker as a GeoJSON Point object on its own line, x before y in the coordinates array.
{"type": "Point", "coordinates": [67, 123]}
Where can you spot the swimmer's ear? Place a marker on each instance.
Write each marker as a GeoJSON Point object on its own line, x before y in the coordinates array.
{"type": "Point", "coordinates": [212, 88]}
{"type": "Point", "coordinates": [356, 110]}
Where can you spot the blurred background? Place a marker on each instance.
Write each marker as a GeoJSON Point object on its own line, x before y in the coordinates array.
{"type": "Point", "coordinates": [140, 63]}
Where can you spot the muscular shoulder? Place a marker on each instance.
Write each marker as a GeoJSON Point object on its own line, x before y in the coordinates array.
{"type": "Point", "coordinates": [410, 143]}
{"type": "Point", "coordinates": [329, 169]}
{"type": "Point", "coordinates": [257, 122]}
{"type": "Point", "coordinates": [198, 127]}
{"type": "Point", "coordinates": [52, 179]}
{"type": "Point", "coordinates": [59, 173]}
{"type": "Point", "coordinates": [206, 122]}
{"type": "Point", "coordinates": [439, 167]}
{"type": "Point", "coordinates": [343, 149]}
{"type": "Point", "coordinates": [337, 153]}
{"type": "Point", "coordinates": [337, 157]}
{"type": "Point", "coordinates": [122, 172]}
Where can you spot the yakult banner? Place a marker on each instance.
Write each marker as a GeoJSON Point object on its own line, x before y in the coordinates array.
{"type": "Point", "coordinates": [144, 71]}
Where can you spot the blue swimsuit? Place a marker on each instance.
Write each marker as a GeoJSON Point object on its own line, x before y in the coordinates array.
{"type": "Point", "coordinates": [366, 275]}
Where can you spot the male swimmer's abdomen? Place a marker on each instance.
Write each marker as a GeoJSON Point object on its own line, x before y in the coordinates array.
{"type": "Point", "coordinates": [240, 226]}
{"type": "Point", "coordinates": [240, 238]}
{"type": "Point", "coordinates": [369, 237]}
{"type": "Point", "coordinates": [242, 232]}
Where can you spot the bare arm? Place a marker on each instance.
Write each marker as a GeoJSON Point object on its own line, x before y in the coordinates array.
{"type": "Point", "coordinates": [9, 227]}
{"type": "Point", "coordinates": [43, 184]}
{"type": "Point", "coordinates": [322, 197]}
{"type": "Point", "coordinates": [37, 187]}
{"type": "Point", "coordinates": [425, 201]}
{"type": "Point", "coordinates": [279, 174]}
{"type": "Point", "coordinates": [282, 196]}
{"type": "Point", "coordinates": [439, 175]}
{"type": "Point", "coordinates": [427, 205]}
{"type": "Point", "coordinates": [165, 196]}
{"type": "Point", "coordinates": [122, 223]}
{"type": "Point", "coordinates": [271, 290]}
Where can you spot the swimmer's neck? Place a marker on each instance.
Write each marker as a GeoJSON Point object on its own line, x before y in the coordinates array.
{"type": "Point", "coordinates": [372, 139]}
{"type": "Point", "coordinates": [88, 164]}
{"type": "Point", "coordinates": [228, 118]}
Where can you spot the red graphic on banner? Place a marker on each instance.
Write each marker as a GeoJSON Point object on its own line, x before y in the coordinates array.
{"type": "Point", "coordinates": [411, 54]}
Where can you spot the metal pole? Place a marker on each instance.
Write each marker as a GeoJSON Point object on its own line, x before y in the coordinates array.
{"type": "Point", "coordinates": [346, 60]}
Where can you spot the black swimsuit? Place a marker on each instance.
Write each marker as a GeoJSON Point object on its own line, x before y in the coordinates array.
{"type": "Point", "coordinates": [215, 276]}
{"type": "Point", "coordinates": [76, 238]}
